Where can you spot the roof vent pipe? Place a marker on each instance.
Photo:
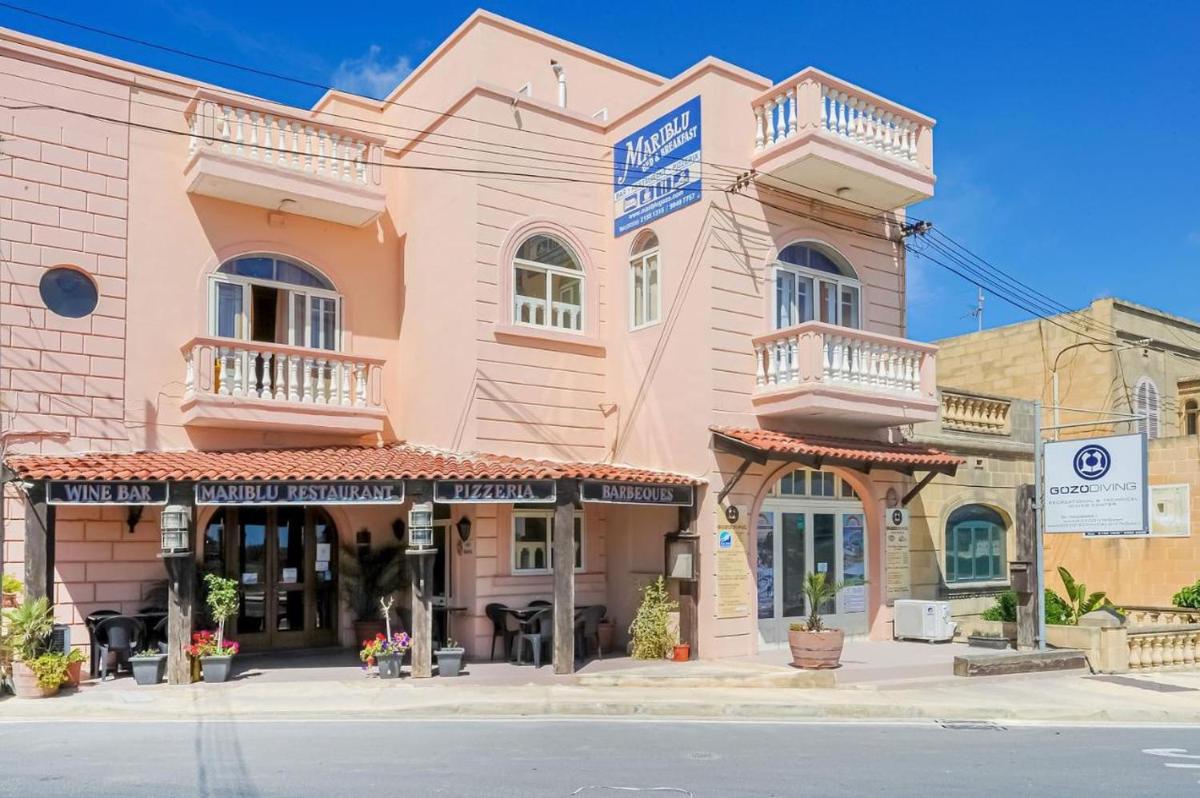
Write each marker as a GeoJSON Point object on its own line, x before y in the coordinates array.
{"type": "Point", "coordinates": [562, 82]}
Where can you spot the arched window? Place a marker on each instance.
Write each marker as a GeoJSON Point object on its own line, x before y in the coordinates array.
{"type": "Point", "coordinates": [1190, 410]}
{"type": "Point", "coordinates": [645, 288]}
{"type": "Point", "coordinates": [1146, 404]}
{"type": "Point", "coordinates": [548, 285]}
{"type": "Point", "coordinates": [815, 283]}
{"type": "Point", "coordinates": [975, 535]}
{"type": "Point", "coordinates": [275, 300]}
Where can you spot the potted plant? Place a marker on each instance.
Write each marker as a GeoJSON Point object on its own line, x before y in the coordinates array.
{"type": "Point", "coordinates": [368, 575]}
{"type": "Point", "coordinates": [812, 645]}
{"type": "Point", "coordinates": [29, 627]}
{"type": "Point", "coordinates": [10, 591]}
{"type": "Point", "coordinates": [149, 666]}
{"type": "Point", "coordinates": [385, 653]}
{"type": "Point", "coordinates": [681, 652]}
{"type": "Point", "coordinates": [216, 656]}
{"type": "Point", "coordinates": [49, 671]}
{"type": "Point", "coordinates": [607, 630]}
{"type": "Point", "coordinates": [650, 632]}
{"type": "Point", "coordinates": [449, 658]}
{"type": "Point", "coordinates": [75, 658]}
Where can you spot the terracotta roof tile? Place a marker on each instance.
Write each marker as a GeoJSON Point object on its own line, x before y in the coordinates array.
{"type": "Point", "coordinates": [866, 452]}
{"type": "Point", "coordinates": [399, 461]}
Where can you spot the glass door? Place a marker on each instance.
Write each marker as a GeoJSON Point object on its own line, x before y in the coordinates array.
{"type": "Point", "coordinates": [793, 542]}
{"type": "Point", "coordinates": [285, 562]}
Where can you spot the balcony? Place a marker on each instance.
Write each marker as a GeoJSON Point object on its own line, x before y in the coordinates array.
{"type": "Point", "coordinates": [259, 154]}
{"type": "Point", "coordinates": [979, 415]}
{"type": "Point", "coordinates": [824, 372]}
{"type": "Point", "coordinates": [271, 386]}
{"type": "Point", "coordinates": [845, 144]}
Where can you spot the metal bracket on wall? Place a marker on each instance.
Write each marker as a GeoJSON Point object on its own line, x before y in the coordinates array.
{"type": "Point", "coordinates": [912, 494]}
{"type": "Point", "coordinates": [737, 475]}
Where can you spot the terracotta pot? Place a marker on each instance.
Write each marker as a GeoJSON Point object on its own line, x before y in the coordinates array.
{"type": "Point", "coordinates": [682, 652]}
{"type": "Point", "coordinates": [366, 630]}
{"type": "Point", "coordinates": [74, 671]}
{"type": "Point", "coordinates": [25, 684]}
{"type": "Point", "coordinates": [10, 601]}
{"type": "Point", "coordinates": [816, 649]}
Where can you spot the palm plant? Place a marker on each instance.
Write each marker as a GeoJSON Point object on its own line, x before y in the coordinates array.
{"type": "Point", "coordinates": [1079, 602]}
{"type": "Point", "coordinates": [819, 591]}
{"type": "Point", "coordinates": [29, 628]}
{"type": "Point", "coordinates": [368, 575]}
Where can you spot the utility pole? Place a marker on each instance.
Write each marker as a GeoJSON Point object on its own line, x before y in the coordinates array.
{"type": "Point", "coordinates": [979, 309]}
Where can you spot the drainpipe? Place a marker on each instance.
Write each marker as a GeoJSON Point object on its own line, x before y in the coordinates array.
{"type": "Point", "coordinates": [562, 82]}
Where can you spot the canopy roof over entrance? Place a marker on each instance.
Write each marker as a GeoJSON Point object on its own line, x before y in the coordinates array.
{"type": "Point", "coordinates": [818, 450]}
{"type": "Point", "coordinates": [397, 461]}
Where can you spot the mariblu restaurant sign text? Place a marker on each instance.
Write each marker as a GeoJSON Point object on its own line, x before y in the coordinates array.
{"type": "Point", "coordinates": [657, 169]}
{"type": "Point", "coordinates": [1096, 486]}
{"type": "Point", "coordinates": [301, 492]}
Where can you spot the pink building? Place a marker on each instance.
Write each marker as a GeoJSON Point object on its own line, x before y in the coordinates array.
{"type": "Point", "coordinates": [532, 283]}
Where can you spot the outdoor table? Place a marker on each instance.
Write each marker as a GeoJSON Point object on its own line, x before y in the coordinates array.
{"type": "Point", "coordinates": [525, 616]}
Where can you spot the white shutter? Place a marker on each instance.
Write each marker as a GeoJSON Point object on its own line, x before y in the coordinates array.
{"type": "Point", "coordinates": [1146, 403]}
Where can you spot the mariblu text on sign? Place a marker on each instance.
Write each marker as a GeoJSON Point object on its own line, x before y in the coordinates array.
{"type": "Point", "coordinates": [365, 492]}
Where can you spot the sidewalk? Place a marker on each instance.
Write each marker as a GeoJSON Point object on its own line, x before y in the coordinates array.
{"type": "Point", "coordinates": [1165, 698]}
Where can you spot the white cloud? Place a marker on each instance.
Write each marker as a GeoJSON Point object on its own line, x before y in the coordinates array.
{"type": "Point", "coordinates": [369, 76]}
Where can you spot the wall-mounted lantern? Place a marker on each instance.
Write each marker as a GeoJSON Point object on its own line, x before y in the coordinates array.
{"type": "Point", "coordinates": [420, 525]}
{"type": "Point", "coordinates": [174, 525]}
{"type": "Point", "coordinates": [682, 556]}
{"type": "Point", "coordinates": [464, 529]}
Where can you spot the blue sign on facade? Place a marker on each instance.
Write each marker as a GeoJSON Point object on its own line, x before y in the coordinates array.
{"type": "Point", "coordinates": [656, 170]}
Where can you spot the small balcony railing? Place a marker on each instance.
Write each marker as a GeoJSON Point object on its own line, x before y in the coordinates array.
{"type": "Point", "coordinates": [977, 414]}
{"type": "Point", "coordinates": [851, 369]}
{"type": "Point", "coordinates": [262, 133]}
{"type": "Point", "coordinates": [282, 375]}
{"type": "Point", "coordinates": [532, 311]}
{"type": "Point", "coordinates": [813, 101]}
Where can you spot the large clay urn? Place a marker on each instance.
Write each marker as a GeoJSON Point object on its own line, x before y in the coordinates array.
{"type": "Point", "coordinates": [816, 649]}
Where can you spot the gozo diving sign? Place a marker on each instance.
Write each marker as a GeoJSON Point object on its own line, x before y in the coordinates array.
{"type": "Point", "coordinates": [633, 493]}
{"type": "Point", "coordinates": [87, 492]}
{"type": "Point", "coordinates": [306, 492]}
{"type": "Point", "coordinates": [1096, 486]}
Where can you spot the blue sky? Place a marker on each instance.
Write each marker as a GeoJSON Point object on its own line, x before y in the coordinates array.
{"type": "Point", "coordinates": [1068, 140]}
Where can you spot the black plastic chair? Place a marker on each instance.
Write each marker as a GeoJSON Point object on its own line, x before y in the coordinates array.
{"type": "Point", "coordinates": [158, 636]}
{"type": "Point", "coordinates": [540, 603]}
{"type": "Point", "coordinates": [500, 619]}
{"type": "Point", "coordinates": [118, 636]}
{"type": "Point", "coordinates": [587, 628]}
{"type": "Point", "coordinates": [90, 622]}
{"type": "Point", "coordinates": [543, 621]}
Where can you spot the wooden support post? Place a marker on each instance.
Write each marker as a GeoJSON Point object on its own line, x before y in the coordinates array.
{"type": "Point", "coordinates": [182, 593]}
{"type": "Point", "coordinates": [181, 609]}
{"type": "Point", "coordinates": [689, 590]}
{"type": "Point", "coordinates": [421, 584]}
{"type": "Point", "coordinates": [564, 576]}
{"type": "Point", "coordinates": [39, 545]}
{"type": "Point", "coordinates": [1023, 576]}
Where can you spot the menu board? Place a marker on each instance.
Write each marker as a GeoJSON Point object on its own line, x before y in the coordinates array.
{"type": "Point", "coordinates": [898, 560]}
{"type": "Point", "coordinates": [733, 564]}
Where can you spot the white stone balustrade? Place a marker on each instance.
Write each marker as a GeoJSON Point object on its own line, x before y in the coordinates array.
{"type": "Point", "coordinates": [1163, 647]}
{"type": "Point", "coordinates": [281, 374]}
{"type": "Point", "coordinates": [532, 310]}
{"type": "Point", "coordinates": [815, 352]}
{"type": "Point", "coordinates": [265, 134]}
{"type": "Point", "coordinates": [978, 414]}
{"type": "Point", "coordinates": [815, 102]}
{"type": "Point", "coordinates": [1138, 615]}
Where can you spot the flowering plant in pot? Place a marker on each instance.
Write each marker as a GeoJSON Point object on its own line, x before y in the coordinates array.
{"type": "Point", "coordinates": [50, 673]}
{"type": "Point", "coordinates": [149, 666]}
{"type": "Point", "coordinates": [812, 645]}
{"type": "Point", "coordinates": [385, 653]}
{"type": "Point", "coordinates": [216, 656]}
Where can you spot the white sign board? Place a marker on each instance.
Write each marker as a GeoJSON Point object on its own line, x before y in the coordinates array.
{"type": "Point", "coordinates": [1096, 486]}
{"type": "Point", "coordinates": [898, 559]}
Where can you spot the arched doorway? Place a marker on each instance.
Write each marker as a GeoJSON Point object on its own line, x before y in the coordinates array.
{"type": "Point", "coordinates": [810, 522]}
{"type": "Point", "coordinates": [285, 562]}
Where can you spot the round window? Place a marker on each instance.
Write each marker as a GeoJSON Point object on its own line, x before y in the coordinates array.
{"type": "Point", "coordinates": [68, 292]}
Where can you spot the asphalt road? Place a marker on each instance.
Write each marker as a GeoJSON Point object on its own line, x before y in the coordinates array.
{"type": "Point", "coordinates": [590, 758]}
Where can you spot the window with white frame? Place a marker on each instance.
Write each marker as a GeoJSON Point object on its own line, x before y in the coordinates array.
{"type": "Point", "coordinates": [533, 541]}
{"type": "Point", "coordinates": [548, 285]}
{"type": "Point", "coordinates": [645, 288]}
{"type": "Point", "coordinates": [812, 283]}
{"type": "Point", "coordinates": [1146, 405]}
{"type": "Point", "coordinates": [274, 300]}
{"type": "Point", "coordinates": [814, 484]}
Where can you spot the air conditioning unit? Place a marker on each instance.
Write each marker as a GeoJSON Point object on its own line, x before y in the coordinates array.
{"type": "Point", "coordinates": [923, 620]}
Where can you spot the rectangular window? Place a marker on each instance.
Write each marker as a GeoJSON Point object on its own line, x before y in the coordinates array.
{"type": "Point", "coordinates": [829, 302]}
{"type": "Point", "coordinates": [822, 483]}
{"type": "Point", "coordinates": [229, 315]}
{"type": "Point", "coordinates": [800, 297]}
{"type": "Point", "coordinates": [644, 290]}
{"type": "Point", "coordinates": [975, 552]}
{"type": "Point", "coordinates": [533, 541]}
{"type": "Point", "coordinates": [785, 299]}
{"type": "Point", "coordinates": [849, 306]}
